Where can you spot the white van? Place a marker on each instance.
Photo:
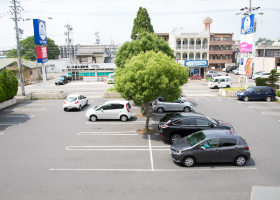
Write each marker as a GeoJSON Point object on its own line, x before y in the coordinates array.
{"type": "Point", "coordinates": [220, 81]}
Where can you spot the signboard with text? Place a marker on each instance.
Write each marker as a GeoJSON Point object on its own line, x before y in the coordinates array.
{"type": "Point", "coordinates": [196, 63]}
{"type": "Point", "coordinates": [40, 33]}
{"type": "Point", "coordinates": [247, 24]}
{"type": "Point", "coordinates": [42, 54]}
{"type": "Point", "coordinates": [245, 67]}
{"type": "Point", "coordinates": [246, 43]}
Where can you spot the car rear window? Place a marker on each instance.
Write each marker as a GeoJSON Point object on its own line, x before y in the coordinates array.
{"type": "Point", "coordinates": [243, 140]}
{"type": "Point", "coordinates": [128, 105]}
{"type": "Point", "coordinates": [117, 106]}
{"type": "Point", "coordinates": [226, 142]}
{"type": "Point", "coordinates": [71, 99]}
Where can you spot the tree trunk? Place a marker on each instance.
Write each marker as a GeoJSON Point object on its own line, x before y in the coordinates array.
{"type": "Point", "coordinates": [145, 111]}
{"type": "Point", "coordinates": [148, 116]}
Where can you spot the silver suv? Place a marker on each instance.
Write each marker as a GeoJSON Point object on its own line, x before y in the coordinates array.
{"type": "Point", "coordinates": [160, 105]}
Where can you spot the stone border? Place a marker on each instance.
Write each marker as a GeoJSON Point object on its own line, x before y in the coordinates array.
{"type": "Point", "coordinates": [225, 93]}
{"type": "Point", "coordinates": [8, 103]}
{"type": "Point", "coordinates": [46, 95]}
{"type": "Point", "coordinates": [112, 95]}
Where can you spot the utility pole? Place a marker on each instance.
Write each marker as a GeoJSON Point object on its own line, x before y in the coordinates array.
{"type": "Point", "coordinates": [16, 10]}
{"type": "Point", "coordinates": [97, 37]}
{"type": "Point", "coordinates": [69, 29]}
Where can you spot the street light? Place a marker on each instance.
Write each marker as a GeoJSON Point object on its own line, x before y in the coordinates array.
{"type": "Point", "coordinates": [263, 42]}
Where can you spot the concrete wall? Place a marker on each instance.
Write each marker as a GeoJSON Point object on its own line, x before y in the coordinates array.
{"type": "Point", "coordinates": [269, 64]}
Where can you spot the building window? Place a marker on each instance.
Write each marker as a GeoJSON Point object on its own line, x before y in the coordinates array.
{"type": "Point", "coordinates": [215, 48]}
{"type": "Point", "coordinates": [84, 59]}
{"type": "Point", "coordinates": [30, 72]}
{"type": "Point", "coordinates": [226, 38]}
{"type": "Point", "coordinates": [216, 39]}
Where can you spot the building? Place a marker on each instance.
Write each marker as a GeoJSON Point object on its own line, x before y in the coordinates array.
{"type": "Point", "coordinates": [191, 49]}
{"type": "Point", "coordinates": [165, 36]}
{"type": "Point", "coordinates": [93, 63]}
{"type": "Point", "coordinates": [270, 59]}
{"type": "Point", "coordinates": [31, 70]}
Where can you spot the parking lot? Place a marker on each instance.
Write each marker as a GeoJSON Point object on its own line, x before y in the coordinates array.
{"type": "Point", "coordinates": [44, 148]}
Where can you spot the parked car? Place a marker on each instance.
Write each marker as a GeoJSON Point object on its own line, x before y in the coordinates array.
{"type": "Point", "coordinates": [111, 79]}
{"type": "Point", "coordinates": [220, 81]}
{"type": "Point", "coordinates": [209, 146]}
{"type": "Point", "coordinates": [261, 75]}
{"type": "Point", "coordinates": [257, 93]}
{"type": "Point", "coordinates": [61, 80]}
{"type": "Point", "coordinates": [160, 105]}
{"type": "Point", "coordinates": [235, 71]}
{"type": "Point", "coordinates": [230, 69]}
{"type": "Point", "coordinates": [115, 109]}
{"type": "Point", "coordinates": [74, 101]}
{"type": "Point", "coordinates": [213, 73]}
{"type": "Point", "coordinates": [175, 126]}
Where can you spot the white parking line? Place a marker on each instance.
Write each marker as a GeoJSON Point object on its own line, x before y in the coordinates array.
{"type": "Point", "coordinates": [108, 133]}
{"type": "Point", "coordinates": [264, 107]}
{"type": "Point", "coordinates": [162, 170]}
{"type": "Point", "coordinates": [9, 123]}
{"type": "Point", "coordinates": [270, 113]}
{"type": "Point", "coordinates": [12, 116]}
{"type": "Point", "coordinates": [219, 99]}
{"type": "Point", "coordinates": [206, 98]}
{"type": "Point", "coordinates": [151, 154]}
{"type": "Point", "coordinates": [1, 133]}
{"type": "Point", "coordinates": [32, 104]}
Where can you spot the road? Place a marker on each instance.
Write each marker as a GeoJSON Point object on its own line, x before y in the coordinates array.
{"type": "Point", "coordinates": [47, 153]}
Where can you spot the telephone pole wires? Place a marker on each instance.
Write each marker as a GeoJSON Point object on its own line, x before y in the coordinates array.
{"type": "Point", "coordinates": [69, 30]}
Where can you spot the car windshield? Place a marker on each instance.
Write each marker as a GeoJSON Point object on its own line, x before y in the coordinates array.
{"type": "Point", "coordinates": [60, 78]}
{"type": "Point", "coordinates": [195, 138]}
{"type": "Point", "coordinates": [249, 89]}
{"type": "Point", "coordinates": [71, 99]}
{"type": "Point", "coordinates": [212, 120]}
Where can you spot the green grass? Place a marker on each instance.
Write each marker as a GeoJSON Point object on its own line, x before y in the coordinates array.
{"type": "Point", "coordinates": [234, 89]}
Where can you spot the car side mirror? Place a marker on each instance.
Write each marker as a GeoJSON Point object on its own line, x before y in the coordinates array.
{"type": "Point", "coordinates": [202, 148]}
{"type": "Point", "coordinates": [101, 109]}
{"type": "Point", "coordinates": [211, 125]}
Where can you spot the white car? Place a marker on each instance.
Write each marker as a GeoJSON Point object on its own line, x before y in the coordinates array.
{"type": "Point", "coordinates": [115, 109]}
{"type": "Point", "coordinates": [74, 101]}
{"type": "Point", "coordinates": [261, 75]}
{"type": "Point", "coordinates": [236, 71]}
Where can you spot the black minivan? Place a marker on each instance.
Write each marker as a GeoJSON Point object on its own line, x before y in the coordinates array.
{"type": "Point", "coordinates": [177, 125]}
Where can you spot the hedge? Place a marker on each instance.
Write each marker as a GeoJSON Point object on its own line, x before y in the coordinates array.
{"type": "Point", "coordinates": [261, 81]}
{"type": "Point", "coordinates": [8, 85]}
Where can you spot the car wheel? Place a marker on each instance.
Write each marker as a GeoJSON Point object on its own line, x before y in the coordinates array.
{"type": "Point", "coordinates": [246, 98]}
{"type": "Point", "coordinates": [65, 109]}
{"type": "Point", "coordinates": [268, 98]}
{"type": "Point", "coordinates": [160, 110]}
{"type": "Point", "coordinates": [240, 161]}
{"type": "Point", "coordinates": [175, 137]}
{"type": "Point", "coordinates": [187, 109]}
{"type": "Point", "coordinates": [124, 118]}
{"type": "Point", "coordinates": [93, 118]}
{"type": "Point", "coordinates": [87, 103]}
{"type": "Point", "coordinates": [189, 161]}
{"type": "Point", "coordinates": [228, 86]}
{"type": "Point", "coordinates": [216, 87]}
{"type": "Point", "coordinates": [55, 83]}
{"type": "Point", "coordinates": [80, 107]}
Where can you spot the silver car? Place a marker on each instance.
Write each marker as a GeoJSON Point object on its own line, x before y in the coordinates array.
{"type": "Point", "coordinates": [160, 105]}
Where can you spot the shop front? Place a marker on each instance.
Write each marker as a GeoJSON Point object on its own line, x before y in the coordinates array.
{"type": "Point", "coordinates": [197, 68]}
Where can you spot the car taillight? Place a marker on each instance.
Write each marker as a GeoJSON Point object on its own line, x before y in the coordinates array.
{"type": "Point", "coordinates": [247, 148]}
{"type": "Point", "coordinates": [64, 102]}
{"type": "Point", "coordinates": [76, 102]}
{"type": "Point", "coordinates": [127, 108]}
{"type": "Point", "coordinates": [163, 126]}
{"type": "Point", "coordinates": [155, 103]}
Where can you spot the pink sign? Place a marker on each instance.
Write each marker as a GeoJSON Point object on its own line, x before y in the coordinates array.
{"type": "Point", "coordinates": [246, 43]}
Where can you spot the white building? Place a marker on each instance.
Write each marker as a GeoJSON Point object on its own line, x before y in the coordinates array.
{"type": "Point", "coordinates": [191, 49]}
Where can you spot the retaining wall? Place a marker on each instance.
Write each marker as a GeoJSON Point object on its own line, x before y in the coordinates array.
{"type": "Point", "coordinates": [8, 103]}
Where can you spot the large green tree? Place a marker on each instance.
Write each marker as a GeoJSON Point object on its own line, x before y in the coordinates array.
{"type": "Point", "coordinates": [142, 23]}
{"type": "Point", "coordinates": [144, 42]}
{"type": "Point", "coordinates": [148, 76]}
{"type": "Point", "coordinates": [28, 49]}
{"type": "Point", "coordinates": [273, 78]}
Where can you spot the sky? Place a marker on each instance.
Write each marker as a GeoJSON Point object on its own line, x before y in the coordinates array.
{"type": "Point", "coordinates": [113, 19]}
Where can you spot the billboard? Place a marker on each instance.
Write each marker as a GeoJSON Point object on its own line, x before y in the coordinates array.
{"type": "Point", "coordinates": [247, 24]}
{"type": "Point", "coordinates": [42, 54]}
{"type": "Point", "coordinates": [40, 33]}
{"type": "Point", "coordinates": [246, 43]}
{"type": "Point", "coordinates": [196, 63]}
{"type": "Point", "coordinates": [245, 67]}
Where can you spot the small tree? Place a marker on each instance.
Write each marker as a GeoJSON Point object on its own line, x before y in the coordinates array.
{"type": "Point", "coordinates": [148, 76]}
{"type": "Point", "coordinates": [144, 42]}
{"type": "Point", "coordinates": [273, 78]}
{"type": "Point", "coordinates": [142, 23]}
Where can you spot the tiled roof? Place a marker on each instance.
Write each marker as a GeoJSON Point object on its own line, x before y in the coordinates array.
{"type": "Point", "coordinates": [6, 62]}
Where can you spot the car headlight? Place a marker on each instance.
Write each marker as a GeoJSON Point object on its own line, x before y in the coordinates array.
{"type": "Point", "coordinates": [241, 93]}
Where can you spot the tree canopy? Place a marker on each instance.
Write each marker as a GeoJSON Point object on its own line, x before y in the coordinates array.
{"type": "Point", "coordinates": [28, 49]}
{"type": "Point", "coordinates": [263, 39]}
{"type": "Point", "coordinates": [142, 23]}
{"type": "Point", "coordinates": [148, 76]}
{"type": "Point", "coordinates": [144, 42]}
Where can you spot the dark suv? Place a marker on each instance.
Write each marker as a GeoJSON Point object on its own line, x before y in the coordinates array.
{"type": "Point", "coordinates": [175, 126]}
{"type": "Point", "coordinates": [61, 80]}
{"type": "Point", "coordinates": [257, 93]}
{"type": "Point", "coordinates": [230, 69]}
{"type": "Point", "coordinates": [211, 146]}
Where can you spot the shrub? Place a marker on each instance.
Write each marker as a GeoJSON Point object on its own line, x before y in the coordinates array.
{"type": "Point", "coordinates": [9, 85]}
{"type": "Point", "coordinates": [278, 93]}
{"type": "Point", "coordinates": [2, 95]}
{"type": "Point", "coordinates": [261, 81]}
